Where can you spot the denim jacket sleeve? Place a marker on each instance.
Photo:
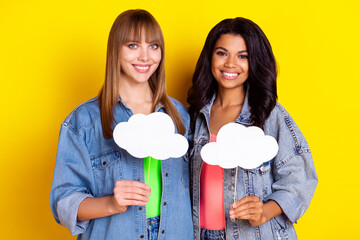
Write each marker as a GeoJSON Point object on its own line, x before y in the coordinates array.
{"type": "Point", "coordinates": [72, 176]}
{"type": "Point", "coordinates": [294, 172]}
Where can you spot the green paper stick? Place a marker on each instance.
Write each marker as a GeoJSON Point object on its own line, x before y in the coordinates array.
{"type": "Point", "coordinates": [153, 206]}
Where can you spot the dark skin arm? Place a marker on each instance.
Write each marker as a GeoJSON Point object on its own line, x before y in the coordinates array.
{"type": "Point", "coordinates": [252, 209]}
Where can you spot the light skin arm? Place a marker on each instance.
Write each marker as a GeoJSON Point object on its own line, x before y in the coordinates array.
{"type": "Point", "coordinates": [252, 209]}
{"type": "Point", "coordinates": [126, 193]}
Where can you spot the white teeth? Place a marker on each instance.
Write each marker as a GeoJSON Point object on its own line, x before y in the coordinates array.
{"type": "Point", "coordinates": [230, 74]}
{"type": "Point", "coordinates": [142, 68]}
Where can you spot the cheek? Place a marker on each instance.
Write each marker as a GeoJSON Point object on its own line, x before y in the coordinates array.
{"type": "Point", "coordinates": [213, 70]}
{"type": "Point", "coordinates": [216, 74]}
{"type": "Point", "coordinates": [245, 67]}
{"type": "Point", "coordinates": [214, 64]}
{"type": "Point", "coordinates": [127, 55]}
{"type": "Point", "coordinates": [156, 57]}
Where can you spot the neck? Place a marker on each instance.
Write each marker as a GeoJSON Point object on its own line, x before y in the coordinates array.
{"type": "Point", "coordinates": [230, 97]}
{"type": "Point", "coordinates": [135, 92]}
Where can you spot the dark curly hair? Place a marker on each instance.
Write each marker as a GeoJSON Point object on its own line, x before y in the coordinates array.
{"type": "Point", "coordinates": [261, 82]}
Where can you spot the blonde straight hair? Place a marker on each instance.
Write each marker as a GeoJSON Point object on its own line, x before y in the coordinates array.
{"type": "Point", "coordinates": [128, 26]}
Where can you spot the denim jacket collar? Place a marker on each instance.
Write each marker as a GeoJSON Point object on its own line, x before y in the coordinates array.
{"type": "Point", "coordinates": [157, 107]}
{"type": "Point", "coordinates": [245, 115]}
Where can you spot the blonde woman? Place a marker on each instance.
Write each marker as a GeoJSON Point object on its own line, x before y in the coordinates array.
{"type": "Point", "coordinates": [98, 190]}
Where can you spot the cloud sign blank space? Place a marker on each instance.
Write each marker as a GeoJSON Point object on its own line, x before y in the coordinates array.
{"type": "Point", "coordinates": [150, 135]}
{"type": "Point", "coordinates": [237, 145]}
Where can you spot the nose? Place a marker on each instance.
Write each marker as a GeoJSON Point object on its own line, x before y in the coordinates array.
{"type": "Point", "coordinates": [143, 54]}
{"type": "Point", "coordinates": [230, 62]}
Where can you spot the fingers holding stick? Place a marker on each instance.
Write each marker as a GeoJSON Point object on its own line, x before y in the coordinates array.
{"type": "Point", "coordinates": [128, 193]}
{"type": "Point", "coordinates": [249, 208]}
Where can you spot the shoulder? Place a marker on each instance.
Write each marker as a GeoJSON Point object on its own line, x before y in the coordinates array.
{"type": "Point", "coordinates": [279, 109]}
{"type": "Point", "coordinates": [282, 126]}
{"type": "Point", "coordinates": [279, 117]}
{"type": "Point", "coordinates": [86, 114]}
{"type": "Point", "coordinates": [180, 107]}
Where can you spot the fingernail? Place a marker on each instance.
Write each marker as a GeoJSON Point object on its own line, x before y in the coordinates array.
{"type": "Point", "coordinates": [234, 205]}
{"type": "Point", "coordinates": [232, 216]}
{"type": "Point", "coordinates": [231, 212]}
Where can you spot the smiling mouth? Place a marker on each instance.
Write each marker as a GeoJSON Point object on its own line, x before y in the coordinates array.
{"type": "Point", "coordinates": [229, 75]}
{"type": "Point", "coordinates": [142, 68]}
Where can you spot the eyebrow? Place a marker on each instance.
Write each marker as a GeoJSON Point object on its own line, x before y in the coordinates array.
{"type": "Point", "coordinates": [136, 41]}
{"type": "Point", "coordinates": [130, 40]}
{"type": "Point", "coordinates": [224, 49]}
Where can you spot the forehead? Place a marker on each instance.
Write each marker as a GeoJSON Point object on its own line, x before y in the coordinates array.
{"type": "Point", "coordinates": [231, 42]}
{"type": "Point", "coordinates": [142, 33]}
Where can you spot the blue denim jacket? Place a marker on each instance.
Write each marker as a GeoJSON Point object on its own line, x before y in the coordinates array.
{"type": "Point", "coordinates": [289, 178]}
{"type": "Point", "coordinates": [87, 165]}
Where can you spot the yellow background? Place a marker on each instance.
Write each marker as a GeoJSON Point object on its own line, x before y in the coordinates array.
{"type": "Point", "coordinates": [53, 59]}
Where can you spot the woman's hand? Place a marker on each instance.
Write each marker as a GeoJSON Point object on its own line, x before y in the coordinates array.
{"type": "Point", "coordinates": [127, 193]}
{"type": "Point", "coordinates": [250, 208]}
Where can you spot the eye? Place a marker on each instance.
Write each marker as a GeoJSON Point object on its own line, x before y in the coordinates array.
{"type": "Point", "coordinates": [220, 53]}
{"type": "Point", "coordinates": [154, 46]}
{"type": "Point", "coordinates": [132, 45]}
{"type": "Point", "coordinates": [243, 56]}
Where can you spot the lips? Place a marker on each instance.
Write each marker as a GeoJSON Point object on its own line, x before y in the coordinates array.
{"type": "Point", "coordinates": [229, 75]}
{"type": "Point", "coordinates": [142, 68]}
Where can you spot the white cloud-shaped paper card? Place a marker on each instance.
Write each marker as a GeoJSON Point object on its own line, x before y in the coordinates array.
{"type": "Point", "coordinates": [237, 145]}
{"type": "Point", "coordinates": [150, 135]}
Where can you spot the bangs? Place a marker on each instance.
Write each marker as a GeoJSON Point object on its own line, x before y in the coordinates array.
{"type": "Point", "coordinates": [146, 26]}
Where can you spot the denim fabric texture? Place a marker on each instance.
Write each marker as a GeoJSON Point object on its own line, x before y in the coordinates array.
{"type": "Point", "coordinates": [207, 234]}
{"type": "Point", "coordinates": [153, 227]}
{"type": "Point", "coordinates": [289, 178]}
{"type": "Point", "coordinates": [87, 165]}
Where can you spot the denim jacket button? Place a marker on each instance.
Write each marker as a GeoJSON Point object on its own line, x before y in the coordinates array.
{"type": "Point", "coordinates": [142, 236]}
{"type": "Point", "coordinates": [165, 203]}
{"type": "Point", "coordinates": [231, 188]}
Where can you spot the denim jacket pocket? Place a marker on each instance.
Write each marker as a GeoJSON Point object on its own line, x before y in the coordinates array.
{"type": "Point", "coordinates": [260, 179]}
{"type": "Point", "coordinates": [107, 169]}
{"type": "Point", "coordinates": [278, 231]}
{"type": "Point", "coordinates": [262, 169]}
